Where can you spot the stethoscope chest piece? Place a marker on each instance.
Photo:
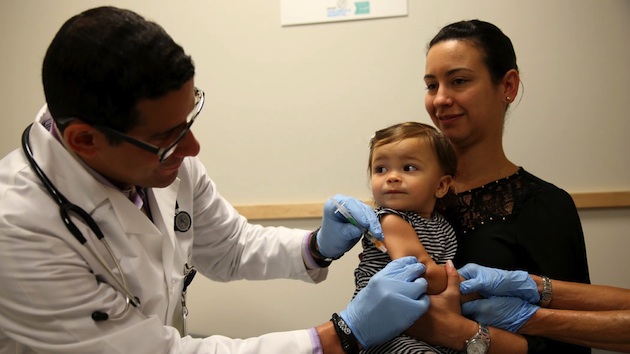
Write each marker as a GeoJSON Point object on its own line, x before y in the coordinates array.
{"type": "Point", "coordinates": [183, 221]}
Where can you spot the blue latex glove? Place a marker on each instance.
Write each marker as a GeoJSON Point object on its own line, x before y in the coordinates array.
{"type": "Point", "coordinates": [508, 313]}
{"type": "Point", "coordinates": [391, 302]}
{"type": "Point", "coordinates": [337, 234]}
{"type": "Point", "coordinates": [489, 282]}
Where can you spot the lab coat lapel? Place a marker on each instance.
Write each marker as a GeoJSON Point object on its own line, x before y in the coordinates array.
{"type": "Point", "coordinates": [162, 202]}
{"type": "Point", "coordinates": [132, 220]}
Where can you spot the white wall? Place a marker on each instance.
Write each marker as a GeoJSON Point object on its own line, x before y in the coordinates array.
{"type": "Point", "coordinates": [290, 111]}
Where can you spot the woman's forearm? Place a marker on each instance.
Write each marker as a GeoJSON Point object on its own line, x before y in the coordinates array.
{"type": "Point", "coordinates": [586, 297]}
{"type": "Point", "coordinates": [505, 342]}
{"type": "Point", "coordinates": [452, 331]}
{"type": "Point", "coordinates": [599, 329]}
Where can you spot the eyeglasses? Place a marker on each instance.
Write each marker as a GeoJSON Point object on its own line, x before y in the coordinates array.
{"type": "Point", "coordinates": [162, 152]}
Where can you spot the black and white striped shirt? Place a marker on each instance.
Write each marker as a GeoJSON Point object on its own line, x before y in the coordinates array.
{"type": "Point", "coordinates": [438, 238]}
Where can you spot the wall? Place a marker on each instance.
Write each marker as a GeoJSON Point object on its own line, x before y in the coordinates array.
{"type": "Point", "coordinates": [290, 111]}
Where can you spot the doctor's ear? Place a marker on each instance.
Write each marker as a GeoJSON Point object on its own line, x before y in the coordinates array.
{"type": "Point", "coordinates": [83, 138]}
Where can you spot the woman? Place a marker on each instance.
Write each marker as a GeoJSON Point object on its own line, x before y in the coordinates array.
{"type": "Point", "coordinates": [504, 217]}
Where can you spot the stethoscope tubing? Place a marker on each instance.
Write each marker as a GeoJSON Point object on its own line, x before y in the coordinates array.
{"type": "Point", "coordinates": [65, 209]}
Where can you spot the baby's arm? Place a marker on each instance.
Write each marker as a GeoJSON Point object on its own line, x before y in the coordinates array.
{"type": "Point", "coordinates": [401, 240]}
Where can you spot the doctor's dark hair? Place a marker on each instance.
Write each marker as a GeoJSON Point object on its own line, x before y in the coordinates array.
{"type": "Point", "coordinates": [496, 47]}
{"type": "Point", "coordinates": [103, 61]}
{"type": "Point", "coordinates": [408, 130]}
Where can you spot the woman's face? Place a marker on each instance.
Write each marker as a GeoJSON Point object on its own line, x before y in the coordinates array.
{"type": "Point", "coordinates": [461, 98]}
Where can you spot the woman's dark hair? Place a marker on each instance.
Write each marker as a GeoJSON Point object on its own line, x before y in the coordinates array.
{"type": "Point", "coordinates": [103, 61]}
{"type": "Point", "coordinates": [496, 47]}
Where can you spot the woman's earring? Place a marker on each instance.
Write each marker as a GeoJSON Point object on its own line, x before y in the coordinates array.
{"type": "Point", "coordinates": [508, 98]}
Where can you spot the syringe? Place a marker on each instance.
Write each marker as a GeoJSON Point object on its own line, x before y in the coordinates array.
{"type": "Point", "coordinates": [346, 214]}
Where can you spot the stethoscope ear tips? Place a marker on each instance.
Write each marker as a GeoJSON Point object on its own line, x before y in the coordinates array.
{"type": "Point", "coordinates": [99, 316]}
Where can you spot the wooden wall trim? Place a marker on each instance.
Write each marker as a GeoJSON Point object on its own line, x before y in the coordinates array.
{"type": "Point", "coordinates": [602, 200]}
{"type": "Point", "coordinates": [314, 210]}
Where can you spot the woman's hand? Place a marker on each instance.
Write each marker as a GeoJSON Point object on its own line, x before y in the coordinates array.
{"type": "Point", "coordinates": [443, 324]}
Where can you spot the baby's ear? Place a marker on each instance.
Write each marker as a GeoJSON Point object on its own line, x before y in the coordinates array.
{"type": "Point", "coordinates": [443, 187]}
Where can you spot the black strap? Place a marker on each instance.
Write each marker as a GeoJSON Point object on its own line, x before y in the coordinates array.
{"type": "Point", "coordinates": [319, 258]}
{"type": "Point", "coordinates": [349, 342]}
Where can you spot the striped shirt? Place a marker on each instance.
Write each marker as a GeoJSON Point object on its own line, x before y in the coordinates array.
{"type": "Point", "coordinates": [438, 238]}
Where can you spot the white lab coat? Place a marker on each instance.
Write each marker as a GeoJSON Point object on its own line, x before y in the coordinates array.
{"type": "Point", "coordinates": [50, 284]}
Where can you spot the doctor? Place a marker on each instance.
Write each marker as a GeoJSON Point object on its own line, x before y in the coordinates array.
{"type": "Point", "coordinates": [106, 214]}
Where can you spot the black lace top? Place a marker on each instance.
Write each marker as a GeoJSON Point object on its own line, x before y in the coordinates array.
{"type": "Point", "coordinates": [520, 222]}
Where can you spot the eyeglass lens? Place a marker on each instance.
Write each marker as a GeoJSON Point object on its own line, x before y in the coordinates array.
{"type": "Point", "coordinates": [168, 151]}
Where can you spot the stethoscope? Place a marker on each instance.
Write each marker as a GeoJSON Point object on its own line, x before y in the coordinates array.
{"type": "Point", "coordinates": [66, 208]}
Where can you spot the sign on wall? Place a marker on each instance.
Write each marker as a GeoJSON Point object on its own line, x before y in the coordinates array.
{"type": "Point", "coordinates": [300, 12]}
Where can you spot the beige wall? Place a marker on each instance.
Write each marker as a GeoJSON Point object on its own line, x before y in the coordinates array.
{"type": "Point", "coordinates": [290, 111]}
